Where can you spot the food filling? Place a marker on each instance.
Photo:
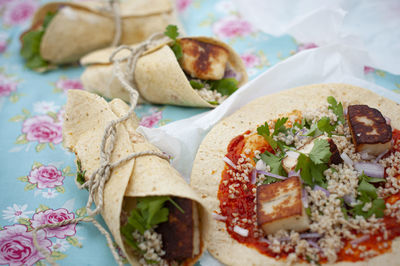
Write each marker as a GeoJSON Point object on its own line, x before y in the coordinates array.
{"type": "Point", "coordinates": [31, 40]}
{"type": "Point", "coordinates": [320, 186]}
{"type": "Point", "coordinates": [161, 230]}
{"type": "Point", "coordinates": [206, 66]}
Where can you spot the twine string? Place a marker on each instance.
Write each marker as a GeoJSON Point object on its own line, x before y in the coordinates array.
{"type": "Point", "coordinates": [101, 175]}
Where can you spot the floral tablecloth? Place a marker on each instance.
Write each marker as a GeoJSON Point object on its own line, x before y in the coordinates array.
{"type": "Point", "coordinates": [37, 173]}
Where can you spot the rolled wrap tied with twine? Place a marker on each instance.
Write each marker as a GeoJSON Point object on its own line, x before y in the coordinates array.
{"type": "Point", "coordinates": [159, 76]}
{"type": "Point", "coordinates": [120, 165]}
{"type": "Point", "coordinates": [79, 28]}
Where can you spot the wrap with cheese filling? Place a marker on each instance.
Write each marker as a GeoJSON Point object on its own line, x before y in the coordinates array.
{"type": "Point", "coordinates": [63, 32]}
{"type": "Point", "coordinates": [150, 210]}
{"type": "Point", "coordinates": [288, 179]}
{"type": "Point", "coordinates": [206, 73]}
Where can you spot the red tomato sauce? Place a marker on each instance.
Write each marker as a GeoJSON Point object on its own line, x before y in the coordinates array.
{"type": "Point", "coordinates": [244, 204]}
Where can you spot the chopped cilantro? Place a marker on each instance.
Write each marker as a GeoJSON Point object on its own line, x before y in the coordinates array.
{"type": "Point", "coordinates": [80, 175]}
{"type": "Point", "coordinates": [196, 85]}
{"type": "Point", "coordinates": [274, 162]}
{"type": "Point", "coordinates": [367, 194]}
{"type": "Point", "coordinates": [149, 212]}
{"type": "Point", "coordinates": [336, 108]}
{"type": "Point", "coordinates": [213, 102]}
{"type": "Point", "coordinates": [225, 86]}
{"type": "Point", "coordinates": [313, 166]}
{"type": "Point", "coordinates": [308, 211]}
{"type": "Point", "coordinates": [172, 32]}
{"type": "Point", "coordinates": [310, 260]}
{"type": "Point", "coordinates": [314, 131]}
{"type": "Point", "coordinates": [264, 131]}
{"type": "Point", "coordinates": [279, 128]}
{"type": "Point", "coordinates": [30, 49]}
{"type": "Point", "coordinates": [324, 124]}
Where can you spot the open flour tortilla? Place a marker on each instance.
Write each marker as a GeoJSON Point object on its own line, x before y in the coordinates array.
{"type": "Point", "coordinates": [86, 116]}
{"type": "Point", "coordinates": [209, 164]}
{"type": "Point", "coordinates": [159, 77]}
{"type": "Point", "coordinates": [79, 28]}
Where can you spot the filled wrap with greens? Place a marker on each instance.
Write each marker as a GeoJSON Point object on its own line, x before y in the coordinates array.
{"type": "Point", "coordinates": [192, 71]}
{"type": "Point", "coordinates": [152, 213]}
{"type": "Point", "coordinates": [63, 32]}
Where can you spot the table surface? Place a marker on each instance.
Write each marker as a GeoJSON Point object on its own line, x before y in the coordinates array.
{"type": "Point", "coordinates": [37, 173]}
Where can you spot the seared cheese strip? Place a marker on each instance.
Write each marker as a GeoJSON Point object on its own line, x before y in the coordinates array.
{"type": "Point", "coordinates": [369, 130]}
{"type": "Point", "coordinates": [203, 60]}
{"type": "Point", "coordinates": [279, 206]}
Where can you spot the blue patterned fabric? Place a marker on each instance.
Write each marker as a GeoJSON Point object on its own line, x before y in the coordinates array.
{"type": "Point", "coordinates": [37, 173]}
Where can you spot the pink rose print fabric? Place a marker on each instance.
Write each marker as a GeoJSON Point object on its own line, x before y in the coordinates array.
{"type": "Point", "coordinates": [19, 11]}
{"type": "Point", "coordinates": [181, 5]}
{"type": "Point", "coordinates": [151, 120]}
{"type": "Point", "coordinates": [46, 177]}
{"type": "Point", "coordinates": [231, 26]}
{"type": "Point", "coordinates": [42, 129]}
{"type": "Point", "coordinates": [55, 216]}
{"type": "Point", "coordinates": [250, 60]}
{"type": "Point", "coordinates": [69, 84]}
{"type": "Point", "coordinates": [17, 248]}
{"type": "Point", "coordinates": [7, 86]}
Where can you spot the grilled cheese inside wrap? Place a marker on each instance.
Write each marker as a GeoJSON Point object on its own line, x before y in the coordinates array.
{"type": "Point", "coordinates": [150, 210]}
{"type": "Point", "coordinates": [206, 73]}
{"type": "Point", "coordinates": [79, 28]}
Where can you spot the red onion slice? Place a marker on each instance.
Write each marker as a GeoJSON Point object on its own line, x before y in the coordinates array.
{"type": "Point", "coordinates": [370, 169]}
{"type": "Point", "coordinates": [264, 240]}
{"type": "Point", "coordinates": [349, 199]}
{"type": "Point", "coordinates": [366, 156]}
{"type": "Point", "coordinates": [316, 187]}
{"type": "Point", "coordinates": [241, 231]}
{"type": "Point", "coordinates": [310, 235]}
{"type": "Point", "coordinates": [272, 175]}
{"type": "Point", "coordinates": [304, 198]}
{"type": "Point", "coordinates": [293, 173]}
{"type": "Point", "coordinates": [380, 156]}
{"type": "Point", "coordinates": [314, 244]}
{"type": "Point", "coordinates": [228, 161]}
{"type": "Point", "coordinates": [359, 240]}
{"type": "Point", "coordinates": [346, 158]}
{"type": "Point", "coordinates": [253, 176]}
{"type": "Point", "coordinates": [218, 217]}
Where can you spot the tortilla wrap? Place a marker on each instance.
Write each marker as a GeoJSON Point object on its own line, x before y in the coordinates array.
{"type": "Point", "coordinates": [209, 164]}
{"type": "Point", "coordinates": [79, 28]}
{"type": "Point", "coordinates": [159, 77]}
{"type": "Point", "coordinates": [86, 116]}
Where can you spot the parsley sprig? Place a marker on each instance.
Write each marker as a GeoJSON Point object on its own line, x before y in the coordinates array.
{"type": "Point", "coordinates": [367, 194]}
{"type": "Point", "coordinates": [149, 212]}
{"type": "Point", "coordinates": [80, 175]}
{"type": "Point", "coordinates": [313, 165]}
{"type": "Point", "coordinates": [31, 41]}
{"type": "Point", "coordinates": [279, 128]}
{"type": "Point", "coordinates": [172, 32]}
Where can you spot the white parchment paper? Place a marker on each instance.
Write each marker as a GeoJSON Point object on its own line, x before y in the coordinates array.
{"type": "Point", "coordinates": [373, 25]}
{"type": "Point", "coordinates": [331, 63]}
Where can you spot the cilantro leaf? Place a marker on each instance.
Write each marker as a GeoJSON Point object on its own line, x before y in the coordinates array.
{"type": "Point", "coordinates": [80, 175]}
{"type": "Point", "coordinates": [172, 32]}
{"type": "Point", "coordinates": [177, 49]}
{"type": "Point", "coordinates": [336, 108]}
{"type": "Point", "coordinates": [225, 86]}
{"type": "Point", "coordinates": [367, 190]}
{"type": "Point", "coordinates": [324, 124]}
{"type": "Point", "coordinates": [280, 126]}
{"type": "Point", "coordinates": [30, 49]}
{"type": "Point", "coordinates": [371, 179]}
{"type": "Point", "coordinates": [196, 85]}
{"type": "Point", "coordinates": [264, 131]}
{"type": "Point", "coordinates": [320, 152]}
{"type": "Point", "coordinates": [274, 162]}
{"type": "Point", "coordinates": [314, 131]}
{"type": "Point", "coordinates": [304, 164]}
{"type": "Point", "coordinates": [377, 208]}
{"type": "Point", "coordinates": [213, 102]}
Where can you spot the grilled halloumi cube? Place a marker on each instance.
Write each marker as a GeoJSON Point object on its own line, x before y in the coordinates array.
{"type": "Point", "coordinates": [279, 206]}
{"type": "Point", "coordinates": [203, 60]}
{"type": "Point", "coordinates": [289, 162]}
{"type": "Point", "coordinates": [369, 130]}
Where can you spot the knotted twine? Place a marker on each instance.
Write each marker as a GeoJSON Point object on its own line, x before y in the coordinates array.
{"type": "Point", "coordinates": [114, 5]}
{"type": "Point", "coordinates": [100, 176]}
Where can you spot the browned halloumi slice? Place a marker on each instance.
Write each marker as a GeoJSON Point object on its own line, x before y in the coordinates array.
{"type": "Point", "coordinates": [369, 130]}
{"type": "Point", "coordinates": [179, 235]}
{"type": "Point", "coordinates": [289, 163]}
{"type": "Point", "coordinates": [203, 60]}
{"type": "Point", "coordinates": [279, 206]}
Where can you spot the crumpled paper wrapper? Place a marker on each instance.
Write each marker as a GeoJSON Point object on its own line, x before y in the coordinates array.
{"type": "Point", "coordinates": [371, 25]}
{"type": "Point", "coordinates": [328, 64]}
